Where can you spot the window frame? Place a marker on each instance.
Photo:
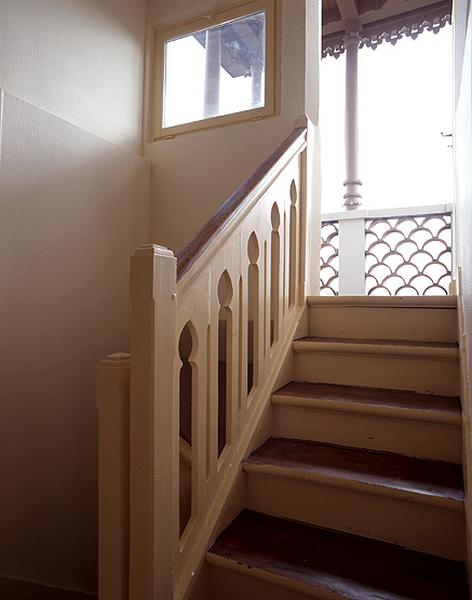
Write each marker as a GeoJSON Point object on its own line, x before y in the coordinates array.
{"type": "Point", "coordinates": [199, 24]}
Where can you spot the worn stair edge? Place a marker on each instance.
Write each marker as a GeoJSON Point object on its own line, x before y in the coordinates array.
{"type": "Point", "coordinates": [311, 591]}
{"type": "Point", "coordinates": [356, 481]}
{"type": "Point", "coordinates": [400, 348]}
{"type": "Point", "coordinates": [321, 397]}
{"type": "Point", "coordinates": [447, 302]}
{"type": "Point", "coordinates": [323, 563]}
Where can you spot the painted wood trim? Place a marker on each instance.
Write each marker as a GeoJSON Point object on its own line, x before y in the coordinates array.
{"type": "Point", "coordinates": [358, 485]}
{"type": "Point", "coordinates": [389, 213]}
{"type": "Point", "coordinates": [465, 392]}
{"type": "Point", "coordinates": [243, 197]}
{"type": "Point", "coordinates": [113, 403]}
{"type": "Point", "coordinates": [378, 349]}
{"type": "Point", "coordinates": [429, 415]}
{"type": "Point", "coordinates": [153, 416]}
{"type": "Point", "coordinates": [159, 132]}
{"type": "Point", "coordinates": [447, 302]}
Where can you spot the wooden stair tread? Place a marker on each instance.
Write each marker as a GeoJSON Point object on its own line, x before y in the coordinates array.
{"type": "Point", "coordinates": [12, 589]}
{"type": "Point", "coordinates": [378, 342]}
{"type": "Point", "coordinates": [396, 399]}
{"type": "Point", "coordinates": [428, 478]}
{"type": "Point", "coordinates": [352, 567]}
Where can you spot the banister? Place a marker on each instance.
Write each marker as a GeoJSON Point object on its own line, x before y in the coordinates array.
{"type": "Point", "coordinates": [246, 273]}
{"type": "Point", "coordinates": [264, 173]}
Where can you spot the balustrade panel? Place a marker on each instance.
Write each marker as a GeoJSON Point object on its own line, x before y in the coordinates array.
{"type": "Point", "coordinates": [208, 343]}
{"type": "Point", "coordinates": [329, 258]}
{"type": "Point", "coordinates": [249, 296]}
{"type": "Point", "coordinates": [407, 253]}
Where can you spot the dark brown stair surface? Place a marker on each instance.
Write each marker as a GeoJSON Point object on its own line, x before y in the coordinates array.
{"type": "Point", "coordinates": [382, 469]}
{"type": "Point", "coordinates": [376, 342]}
{"type": "Point", "coordinates": [12, 589]}
{"type": "Point", "coordinates": [353, 567]}
{"type": "Point", "coordinates": [373, 396]}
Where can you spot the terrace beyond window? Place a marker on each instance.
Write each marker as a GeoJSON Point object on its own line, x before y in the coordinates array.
{"type": "Point", "coordinates": [216, 74]}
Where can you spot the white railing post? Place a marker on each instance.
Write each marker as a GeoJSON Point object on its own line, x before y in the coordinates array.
{"type": "Point", "coordinates": [113, 381]}
{"type": "Point", "coordinates": [154, 431]}
{"type": "Point", "coordinates": [310, 224]}
{"type": "Point", "coordinates": [352, 257]}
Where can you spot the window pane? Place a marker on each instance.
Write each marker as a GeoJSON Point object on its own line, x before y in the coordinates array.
{"type": "Point", "coordinates": [216, 71]}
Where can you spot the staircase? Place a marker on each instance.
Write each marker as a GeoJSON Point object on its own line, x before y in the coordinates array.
{"type": "Point", "coordinates": [358, 494]}
{"type": "Point", "coordinates": [344, 483]}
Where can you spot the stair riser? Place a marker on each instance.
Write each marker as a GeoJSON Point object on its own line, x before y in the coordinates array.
{"type": "Point", "coordinates": [413, 525]}
{"type": "Point", "coordinates": [417, 324]}
{"type": "Point", "coordinates": [241, 582]}
{"type": "Point", "coordinates": [404, 436]}
{"type": "Point", "coordinates": [420, 374]}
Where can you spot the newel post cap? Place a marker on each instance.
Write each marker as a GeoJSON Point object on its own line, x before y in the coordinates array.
{"type": "Point", "coordinates": [154, 250]}
{"type": "Point", "coordinates": [119, 360]}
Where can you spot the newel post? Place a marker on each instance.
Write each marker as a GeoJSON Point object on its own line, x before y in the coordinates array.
{"type": "Point", "coordinates": [310, 224]}
{"type": "Point", "coordinates": [113, 380]}
{"type": "Point", "coordinates": [154, 425]}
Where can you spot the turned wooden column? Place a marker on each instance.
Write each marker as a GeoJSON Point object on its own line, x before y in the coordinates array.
{"type": "Point", "coordinates": [352, 195]}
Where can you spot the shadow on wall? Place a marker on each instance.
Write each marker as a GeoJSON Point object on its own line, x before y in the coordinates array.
{"type": "Point", "coordinates": [73, 210]}
{"type": "Point", "coordinates": [80, 60]}
{"type": "Point", "coordinates": [118, 11]}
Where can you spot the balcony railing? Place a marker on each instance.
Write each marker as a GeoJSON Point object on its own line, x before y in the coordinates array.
{"type": "Point", "coordinates": [395, 252]}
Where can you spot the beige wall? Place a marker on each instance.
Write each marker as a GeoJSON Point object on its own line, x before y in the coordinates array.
{"type": "Point", "coordinates": [195, 172]}
{"type": "Point", "coordinates": [463, 155]}
{"type": "Point", "coordinates": [81, 60]}
{"type": "Point", "coordinates": [73, 206]}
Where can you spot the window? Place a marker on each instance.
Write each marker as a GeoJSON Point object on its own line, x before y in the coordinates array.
{"type": "Point", "coordinates": [218, 73]}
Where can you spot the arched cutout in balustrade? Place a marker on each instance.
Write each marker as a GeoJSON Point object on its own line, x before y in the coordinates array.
{"type": "Point", "coordinates": [274, 274]}
{"type": "Point", "coordinates": [187, 392]}
{"type": "Point", "coordinates": [241, 342]}
{"type": "Point", "coordinates": [293, 243]}
{"type": "Point", "coordinates": [252, 313]}
{"type": "Point", "coordinates": [225, 326]}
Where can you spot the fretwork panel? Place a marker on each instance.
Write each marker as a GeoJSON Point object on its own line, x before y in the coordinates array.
{"type": "Point", "coordinates": [408, 256]}
{"type": "Point", "coordinates": [329, 259]}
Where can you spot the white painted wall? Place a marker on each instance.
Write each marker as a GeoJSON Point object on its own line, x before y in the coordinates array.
{"type": "Point", "coordinates": [463, 220]}
{"type": "Point", "coordinates": [74, 202]}
{"type": "Point", "coordinates": [81, 60]}
{"type": "Point", "coordinates": [194, 173]}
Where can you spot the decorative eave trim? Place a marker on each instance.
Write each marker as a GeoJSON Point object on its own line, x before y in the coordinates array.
{"type": "Point", "coordinates": [411, 24]}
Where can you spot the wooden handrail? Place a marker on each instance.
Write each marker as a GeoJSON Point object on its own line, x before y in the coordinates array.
{"type": "Point", "coordinates": [187, 257]}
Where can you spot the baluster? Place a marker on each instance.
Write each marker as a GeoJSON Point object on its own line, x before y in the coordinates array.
{"type": "Point", "coordinates": [293, 244]}
{"type": "Point", "coordinates": [253, 319]}
{"type": "Point", "coordinates": [225, 361]}
{"type": "Point", "coordinates": [211, 395]}
{"type": "Point", "coordinates": [188, 377]}
{"type": "Point", "coordinates": [266, 301]}
{"type": "Point", "coordinates": [275, 272]}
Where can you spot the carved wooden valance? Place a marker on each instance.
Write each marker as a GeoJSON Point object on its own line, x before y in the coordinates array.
{"type": "Point", "coordinates": [410, 24]}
